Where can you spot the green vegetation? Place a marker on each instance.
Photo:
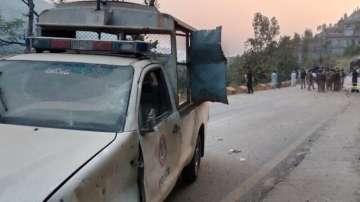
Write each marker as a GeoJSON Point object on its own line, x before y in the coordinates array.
{"type": "Point", "coordinates": [344, 62]}
{"type": "Point", "coordinates": [352, 51]}
{"type": "Point", "coordinates": [266, 52]}
{"type": "Point", "coordinates": [11, 32]}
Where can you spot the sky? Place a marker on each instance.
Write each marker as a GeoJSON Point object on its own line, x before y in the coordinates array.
{"type": "Point", "coordinates": [236, 16]}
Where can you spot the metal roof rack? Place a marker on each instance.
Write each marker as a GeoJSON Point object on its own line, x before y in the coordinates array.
{"type": "Point", "coordinates": [114, 17]}
{"type": "Point", "coordinates": [125, 20]}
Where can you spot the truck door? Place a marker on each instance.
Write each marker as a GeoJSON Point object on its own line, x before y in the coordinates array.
{"type": "Point", "coordinates": [159, 124]}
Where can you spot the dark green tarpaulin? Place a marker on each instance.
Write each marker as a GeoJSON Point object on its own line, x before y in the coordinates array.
{"type": "Point", "coordinates": [208, 67]}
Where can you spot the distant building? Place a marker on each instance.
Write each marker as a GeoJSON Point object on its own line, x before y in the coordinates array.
{"type": "Point", "coordinates": [340, 41]}
{"type": "Point", "coordinates": [344, 34]}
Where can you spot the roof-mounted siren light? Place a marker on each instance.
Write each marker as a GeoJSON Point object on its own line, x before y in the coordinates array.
{"type": "Point", "coordinates": [41, 44]}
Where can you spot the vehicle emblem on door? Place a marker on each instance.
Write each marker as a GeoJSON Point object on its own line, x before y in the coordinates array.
{"type": "Point", "coordinates": [162, 151]}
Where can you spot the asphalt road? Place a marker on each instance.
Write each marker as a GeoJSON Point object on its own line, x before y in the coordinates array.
{"type": "Point", "coordinates": [260, 126]}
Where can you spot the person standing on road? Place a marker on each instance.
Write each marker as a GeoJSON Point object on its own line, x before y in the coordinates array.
{"type": "Point", "coordinates": [293, 78]}
{"type": "Point", "coordinates": [302, 79]}
{"type": "Point", "coordinates": [329, 80]}
{"type": "Point", "coordinates": [321, 78]}
{"type": "Point", "coordinates": [249, 81]}
{"type": "Point", "coordinates": [274, 80]}
{"type": "Point", "coordinates": [279, 80]}
{"type": "Point", "coordinates": [297, 76]}
{"type": "Point", "coordinates": [337, 80]}
{"type": "Point", "coordinates": [355, 81]}
{"type": "Point", "coordinates": [343, 76]}
{"type": "Point", "coordinates": [310, 80]}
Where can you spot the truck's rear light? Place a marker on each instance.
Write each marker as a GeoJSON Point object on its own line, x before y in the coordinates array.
{"type": "Point", "coordinates": [60, 44]}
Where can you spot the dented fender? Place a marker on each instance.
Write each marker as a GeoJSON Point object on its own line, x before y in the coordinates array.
{"type": "Point", "coordinates": [110, 176]}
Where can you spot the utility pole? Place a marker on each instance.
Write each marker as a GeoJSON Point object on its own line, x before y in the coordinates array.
{"type": "Point", "coordinates": [98, 5]}
{"type": "Point", "coordinates": [31, 14]}
{"type": "Point", "coordinates": [30, 31]}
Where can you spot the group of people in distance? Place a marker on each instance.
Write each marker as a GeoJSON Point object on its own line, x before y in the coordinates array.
{"type": "Point", "coordinates": [326, 79]}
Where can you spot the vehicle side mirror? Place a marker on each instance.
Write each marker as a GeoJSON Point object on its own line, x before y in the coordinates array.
{"type": "Point", "coordinates": [150, 123]}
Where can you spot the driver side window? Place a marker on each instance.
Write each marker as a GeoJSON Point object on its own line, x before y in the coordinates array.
{"type": "Point", "coordinates": [155, 99]}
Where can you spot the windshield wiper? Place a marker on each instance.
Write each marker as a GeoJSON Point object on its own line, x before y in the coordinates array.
{"type": "Point", "coordinates": [2, 100]}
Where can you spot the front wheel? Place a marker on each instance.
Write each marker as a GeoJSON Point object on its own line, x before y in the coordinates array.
{"type": "Point", "coordinates": [191, 171]}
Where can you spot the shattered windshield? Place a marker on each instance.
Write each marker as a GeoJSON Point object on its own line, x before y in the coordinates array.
{"type": "Point", "coordinates": [64, 95]}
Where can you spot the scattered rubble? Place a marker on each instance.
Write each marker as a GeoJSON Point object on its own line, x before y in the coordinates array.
{"type": "Point", "coordinates": [234, 151]}
{"type": "Point", "coordinates": [242, 159]}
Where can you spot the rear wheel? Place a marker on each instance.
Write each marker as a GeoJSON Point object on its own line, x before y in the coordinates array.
{"type": "Point", "coordinates": [39, 50]}
{"type": "Point", "coordinates": [191, 171]}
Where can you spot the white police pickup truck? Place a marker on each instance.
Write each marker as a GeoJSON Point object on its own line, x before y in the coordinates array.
{"type": "Point", "coordinates": [100, 120]}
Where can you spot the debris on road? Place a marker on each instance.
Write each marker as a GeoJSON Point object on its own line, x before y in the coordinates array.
{"type": "Point", "coordinates": [220, 139]}
{"type": "Point", "coordinates": [242, 159]}
{"type": "Point", "coordinates": [301, 154]}
{"type": "Point", "coordinates": [234, 151]}
{"type": "Point", "coordinates": [270, 182]}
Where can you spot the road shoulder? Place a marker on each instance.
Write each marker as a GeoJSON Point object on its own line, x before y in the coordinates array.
{"type": "Point", "coordinates": [331, 170]}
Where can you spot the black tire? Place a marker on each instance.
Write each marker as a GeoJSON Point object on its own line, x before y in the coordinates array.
{"type": "Point", "coordinates": [57, 51]}
{"type": "Point", "coordinates": [191, 171]}
{"type": "Point", "coordinates": [39, 50]}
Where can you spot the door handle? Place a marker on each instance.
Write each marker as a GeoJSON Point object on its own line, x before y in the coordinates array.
{"type": "Point", "coordinates": [176, 129]}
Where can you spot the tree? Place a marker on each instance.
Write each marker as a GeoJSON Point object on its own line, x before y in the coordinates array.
{"type": "Point", "coordinates": [297, 40]}
{"type": "Point", "coordinates": [285, 56]}
{"type": "Point", "coordinates": [259, 56]}
{"type": "Point", "coordinates": [11, 32]}
{"type": "Point", "coordinates": [308, 34]}
{"type": "Point", "coordinates": [307, 40]}
{"type": "Point", "coordinates": [267, 52]}
{"type": "Point", "coordinates": [319, 28]}
{"type": "Point", "coordinates": [236, 71]}
{"type": "Point", "coordinates": [265, 32]}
